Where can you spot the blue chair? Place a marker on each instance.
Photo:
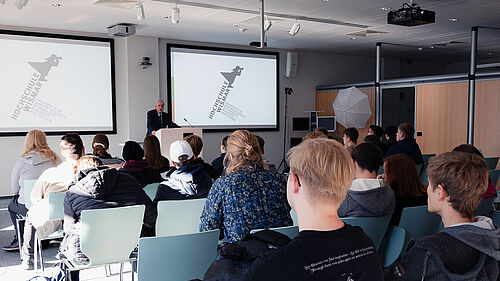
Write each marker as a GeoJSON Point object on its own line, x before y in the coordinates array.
{"type": "Point", "coordinates": [151, 189]}
{"type": "Point", "coordinates": [423, 178]}
{"type": "Point", "coordinates": [484, 207]}
{"type": "Point", "coordinates": [56, 212]}
{"type": "Point", "coordinates": [419, 168]}
{"type": "Point", "coordinates": [290, 231]}
{"type": "Point", "coordinates": [374, 227]}
{"type": "Point", "coordinates": [182, 257]}
{"type": "Point", "coordinates": [492, 162]}
{"type": "Point", "coordinates": [495, 217]}
{"type": "Point", "coordinates": [418, 222]}
{"type": "Point", "coordinates": [392, 245]}
{"type": "Point", "coordinates": [109, 236]}
{"type": "Point", "coordinates": [381, 170]}
{"type": "Point", "coordinates": [176, 217]}
{"type": "Point", "coordinates": [293, 215]}
{"type": "Point", "coordinates": [494, 175]}
{"type": "Point", "coordinates": [426, 158]}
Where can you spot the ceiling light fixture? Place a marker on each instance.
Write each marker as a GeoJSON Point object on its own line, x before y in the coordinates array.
{"type": "Point", "coordinates": [452, 19]}
{"type": "Point", "coordinates": [21, 3]}
{"type": "Point", "coordinates": [295, 29]}
{"type": "Point", "coordinates": [353, 38]}
{"type": "Point", "coordinates": [57, 5]}
{"type": "Point", "coordinates": [140, 11]}
{"type": "Point", "coordinates": [176, 14]}
{"type": "Point", "coordinates": [386, 8]}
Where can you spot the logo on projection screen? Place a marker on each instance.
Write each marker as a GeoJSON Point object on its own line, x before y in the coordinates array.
{"type": "Point", "coordinates": [44, 67]}
{"type": "Point", "coordinates": [29, 100]}
{"type": "Point", "coordinates": [220, 105]}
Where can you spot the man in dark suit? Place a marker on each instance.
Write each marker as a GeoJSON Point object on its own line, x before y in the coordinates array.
{"type": "Point", "coordinates": [158, 119]}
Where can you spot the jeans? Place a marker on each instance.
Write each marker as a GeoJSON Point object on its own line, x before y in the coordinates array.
{"type": "Point", "coordinates": [16, 210]}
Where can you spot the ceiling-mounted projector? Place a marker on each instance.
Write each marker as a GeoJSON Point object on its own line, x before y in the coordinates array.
{"type": "Point", "coordinates": [411, 15]}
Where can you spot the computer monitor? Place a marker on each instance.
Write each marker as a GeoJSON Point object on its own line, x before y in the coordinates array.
{"type": "Point", "coordinates": [327, 122]}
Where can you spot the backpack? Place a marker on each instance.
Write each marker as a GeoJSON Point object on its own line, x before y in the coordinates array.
{"type": "Point", "coordinates": [56, 274]}
{"type": "Point", "coordinates": [236, 258]}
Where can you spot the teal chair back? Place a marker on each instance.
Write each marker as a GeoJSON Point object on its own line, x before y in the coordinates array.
{"type": "Point", "coordinates": [293, 215]}
{"type": "Point", "coordinates": [381, 170]}
{"type": "Point", "coordinates": [494, 174]}
{"type": "Point", "coordinates": [110, 235]}
{"type": "Point", "coordinates": [426, 158]}
{"type": "Point", "coordinates": [182, 257]}
{"type": "Point", "coordinates": [419, 168]}
{"type": "Point", "coordinates": [290, 231]}
{"type": "Point", "coordinates": [423, 178]}
{"type": "Point", "coordinates": [28, 187]}
{"type": "Point", "coordinates": [374, 227]}
{"type": "Point", "coordinates": [151, 189]}
{"type": "Point", "coordinates": [492, 162]}
{"type": "Point", "coordinates": [176, 217]}
{"type": "Point", "coordinates": [484, 207]}
{"type": "Point", "coordinates": [392, 245]}
{"type": "Point", "coordinates": [56, 205]}
{"type": "Point", "coordinates": [418, 222]}
{"type": "Point", "coordinates": [495, 217]}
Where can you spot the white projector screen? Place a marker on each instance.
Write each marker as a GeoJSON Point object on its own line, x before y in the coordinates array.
{"type": "Point", "coordinates": [222, 89]}
{"type": "Point", "coordinates": [56, 83]}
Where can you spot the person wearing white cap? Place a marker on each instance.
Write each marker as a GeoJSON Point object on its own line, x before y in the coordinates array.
{"type": "Point", "coordinates": [187, 180]}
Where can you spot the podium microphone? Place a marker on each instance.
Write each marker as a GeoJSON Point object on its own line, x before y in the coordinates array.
{"type": "Point", "coordinates": [188, 122]}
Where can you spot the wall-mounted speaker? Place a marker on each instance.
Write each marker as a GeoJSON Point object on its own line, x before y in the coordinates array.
{"type": "Point", "coordinates": [291, 64]}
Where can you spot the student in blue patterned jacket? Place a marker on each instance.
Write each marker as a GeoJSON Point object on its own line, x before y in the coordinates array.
{"type": "Point", "coordinates": [249, 196]}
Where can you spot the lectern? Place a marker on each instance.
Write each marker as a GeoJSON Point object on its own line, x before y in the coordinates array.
{"type": "Point", "coordinates": [169, 135]}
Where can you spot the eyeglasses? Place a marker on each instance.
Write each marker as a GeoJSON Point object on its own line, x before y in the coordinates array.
{"type": "Point", "coordinates": [297, 177]}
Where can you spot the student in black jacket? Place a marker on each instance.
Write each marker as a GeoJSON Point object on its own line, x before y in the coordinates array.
{"type": "Point", "coordinates": [406, 144]}
{"type": "Point", "coordinates": [136, 166]}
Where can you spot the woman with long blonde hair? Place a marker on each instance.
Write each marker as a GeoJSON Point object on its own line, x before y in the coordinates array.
{"type": "Point", "coordinates": [249, 196]}
{"type": "Point", "coordinates": [36, 158]}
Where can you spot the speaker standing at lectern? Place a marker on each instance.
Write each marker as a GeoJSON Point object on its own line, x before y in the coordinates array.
{"type": "Point", "coordinates": [158, 119]}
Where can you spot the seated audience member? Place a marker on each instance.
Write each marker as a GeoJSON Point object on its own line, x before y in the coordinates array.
{"type": "Point", "coordinates": [218, 163]}
{"type": "Point", "coordinates": [35, 159]}
{"type": "Point", "coordinates": [467, 248]}
{"type": "Point", "coordinates": [350, 138]}
{"type": "Point", "coordinates": [367, 196]}
{"type": "Point", "coordinates": [313, 135]}
{"type": "Point", "coordinates": [196, 144]}
{"type": "Point", "coordinates": [468, 148]}
{"type": "Point", "coordinates": [390, 133]}
{"type": "Point", "coordinates": [376, 141]}
{"type": "Point", "coordinates": [100, 146]}
{"type": "Point", "coordinates": [375, 130]}
{"type": "Point", "coordinates": [401, 175]}
{"type": "Point", "coordinates": [152, 154]}
{"type": "Point", "coordinates": [323, 250]}
{"type": "Point", "coordinates": [98, 187]}
{"type": "Point", "coordinates": [270, 165]}
{"type": "Point", "coordinates": [136, 166]}
{"type": "Point", "coordinates": [54, 179]}
{"type": "Point", "coordinates": [248, 196]}
{"type": "Point", "coordinates": [321, 130]}
{"type": "Point", "coordinates": [406, 144]}
{"type": "Point", "coordinates": [188, 180]}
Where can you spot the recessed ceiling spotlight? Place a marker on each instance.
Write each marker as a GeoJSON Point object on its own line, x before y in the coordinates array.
{"type": "Point", "coordinates": [353, 38]}
{"type": "Point", "coordinates": [386, 8]}
{"type": "Point", "coordinates": [57, 5]}
{"type": "Point", "coordinates": [489, 53]}
{"type": "Point", "coordinates": [326, 0]}
{"type": "Point", "coordinates": [452, 19]}
{"type": "Point", "coordinates": [242, 29]}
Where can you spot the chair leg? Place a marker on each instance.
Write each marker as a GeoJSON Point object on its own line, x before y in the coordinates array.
{"type": "Point", "coordinates": [107, 268]}
{"type": "Point", "coordinates": [132, 271]}
{"type": "Point", "coordinates": [121, 271]}
{"type": "Point", "coordinates": [40, 253]}
{"type": "Point", "coordinates": [35, 245]}
{"type": "Point", "coordinates": [19, 240]}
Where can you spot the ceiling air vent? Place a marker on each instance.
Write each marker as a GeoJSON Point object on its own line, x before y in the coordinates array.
{"type": "Point", "coordinates": [365, 33]}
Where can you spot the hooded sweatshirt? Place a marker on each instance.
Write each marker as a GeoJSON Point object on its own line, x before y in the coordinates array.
{"type": "Point", "coordinates": [186, 182]}
{"type": "Point", "coordinates": [368, 198]}
{"type": "Point", "coordinates": [468, 251]}
{"type": "Point", "coordinates": [29, 167]}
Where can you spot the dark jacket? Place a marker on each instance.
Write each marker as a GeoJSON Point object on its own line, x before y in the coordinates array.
{"type": "Point", "coordinates": [98, 188]}
{"type": "Point", "coordinates": [409, 147]}
{"type": "Point", "coordinates": [186, 182]}
{"type": "Point", "coordinates": [155, 124]}
{"type": "Point", "coordinates": [375, 202]}
{"type": "Point", "coordinates": [462, 252]}
{"type": "Point", "coordinates": [208, 168]}
{"type": "Point", "coordinates": [141, 171]}
{"type": "Point", "coordinates": [403, 202]}
{"type": "Point", "coordinates": [218, 164]}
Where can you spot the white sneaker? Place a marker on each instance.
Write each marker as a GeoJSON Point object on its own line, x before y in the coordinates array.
{"type": "Point", "coordinates": [27, 264]}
